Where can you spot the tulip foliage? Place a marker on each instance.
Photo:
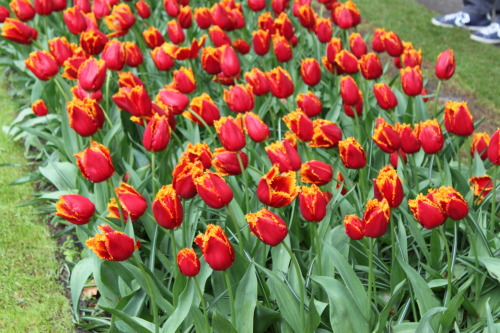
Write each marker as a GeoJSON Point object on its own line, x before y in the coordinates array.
{"type": "Point", "coordinates": [252, 166]}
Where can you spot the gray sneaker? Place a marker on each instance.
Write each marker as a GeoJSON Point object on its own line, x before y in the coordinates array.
{"type": "Point", "coordinates": [488, 35]}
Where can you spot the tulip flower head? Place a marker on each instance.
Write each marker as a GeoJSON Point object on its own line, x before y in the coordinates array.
{"type": "Point", "coordinates": [216, 248]}
{"type": "Point", "coordinates": [39, 108]}
{"type": "Point", "coordinates": [480, 143]}
{"type": "Point", "coordinates": [188, 262]}
{"type": "Point", "coordinates": [112, 245]}
{"type": "Point", "coordinates": [494, 148]}
{"type": "Point", "coordinates": [277, 189]}
{"type": "Point", "coordinates": [133, 204]}
{"type": "Point", "coordinates": [267, 226]}
{"type": "Point", "coordinates": [326, 134]}
{"type": "Point", "coordinates": [445, 65]}
{"type": "Point", "coordinates": [167, 208]}
{"type": "Point", "coordinates": [458, 119]}
{"type": "Point", "coordinates": [75, 208]}
{"type": "Point", "coordinates": [388, 186]}
{"type": "Point", "coordinates": [481, 186]}
{"type": "Point", "coordinates": [430, 136]}
{"type": "Point", "coordinates": [95, 162]}
{"type": "Point", "coordinates": [86, 116]}
{"type": "Point", "coordinates": [213, 190]}
{"type": "Point", "coordinates": [352, 153]}
{"type": "Point", "coordinates": [312, 203]}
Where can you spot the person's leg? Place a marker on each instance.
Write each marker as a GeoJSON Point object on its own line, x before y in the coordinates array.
{"type": "Point", "coordinates": [491, 33]}
{"type": "Point", "coordinates": [479, 8]}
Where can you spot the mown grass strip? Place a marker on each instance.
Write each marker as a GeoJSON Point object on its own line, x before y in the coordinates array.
{"type": "Point", "coordinates": [478, 65]}
{"type": "Point", "coordinates": [31, 300]}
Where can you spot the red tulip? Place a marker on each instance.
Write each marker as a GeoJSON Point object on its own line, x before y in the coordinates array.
{"type": "Point", "coordinates": [357, 44]}
{"type": "Point", "coordinates": [430, 136]}
{"type": "Point", "coordinates": [153, 37]}
{"type": "Point", "coordinates": [410, 143]}
{"type": "Point", "coordinates": [378, 40]}
{"type": "Point", "coordinates": [333, 48]}
{"type": "Point", "coordinates": [354, 227]}
{"type": "Point", "coordinates": [204, 107]}
{"type": "Point", "coordinates": [323, 29]}
{"type": "Point", "coordinates": [135, 101]}
{"type": "Point", "coordinates": [74, 20]}
{"type": "Point", "coordinates": [218, 36]}
{"type": "Point", "coordinates": [388, 186]}
{"type": "Point", "coordinates": [230, 132]}
{"type": "Point", "coordinates": [92, 74]}
{"type": "Point", "coordinates": [309, 103]}
{"type": "Point", "coordinates": [198, 152]}
{"type": "Point", "coordinates": [284, 26]}
{"type": "Point", "coordinates": [114, 55]}
{"type": "Point", "coordinates": [86, 116]}
{"type": "Point", "coordinates": [412, 81]}
{"type": "Point", "coordinates": [185, 17]}
{"type": "Point", "coordinates": [310, 71]}
{"type": "Point", "coordinates": [75, 208]}
{"type": "Point", "coordinates": [112, 245]}
{"type": "Point", "coordinates": [213, 190]}
{"type": "Point", "coordinates": [411, 57]}
{"type": "Point", "coordinates": [241, 46]}
{"type": "Point", "coordinates": [480, 143]}
{"type": "Point", "coordinates": [371, 68]}
{"type": "Point", "coordinates": [445, 65]}
{"type": "Point", "coordinates": [162, 59]}
{"type": "Point", "coordinates": [210, 60]}
{"type": "Point", "coordinates": [229, 62]}
{"type": "Point", "coordinates": [226, 162]}
{"type": "Point", "coordinates": [203, 17]}
{"type": "Point", "coordinates": [312, 203]}
{"type": "Point", "coordinates": [494, 148]}
{"type": "Point", "coordinates": [349, 110]}
{"type": "Point", "coordinates": [300, 124]}
{"type": "Point", "coordinates": [349, 91]}
{"type": "Point", "coordinates": [326, 134]}
{"type": "Point", "coordinates": [352, 154]}
{"type": "Point", "coordinates": [282, 48]}
{"type": "Point", "coordinates": [184, 80]}
{"type": "Point", "coordinates": [458, 119]}
{"type": "Point", "coordinates": [386, 138]}
{"type": "Point", "coordinates": [256, 129]}
{"type": "Point", "coordinates": [284, 155]}
{"type": "Point", "coordinates": [83, 5]}
{"type": "Point", "coordinates": [42, 64]}
{"type": "Point", "coordinates": [386, 98]}
{"type": "Point", "coordinates": [133, 54]}
{"type": "Point", "coordinates": [239, 98]}
{"type": "Point", "coordinates": [376, 218]}
{"type": "Point", "coordinates": [183, 177]}
{"type": "Point", "coordinates": [316, 172]}
{"type": "Point", "coordinates": [216, 248]}
{"type": "Point", "coordinates": [393, 44]}
{"type": "Point", "coordinates": [23, 9]}
{"type": "Point", "coordinates": [347, 62]}
{"type": "Point", "coordinates": [188, 262]}
{"type": "Point", "coordinates": [95, 163]}
{"type": "Point", "coordinates": [267, 226]}
{"type": "Point", "coordinates": [277, 189]}
{"type": "Point", "coordinates": [258, 80]}
{"type": "Point", "coordinates": [120, 20]}
{"type": "Point", "coordinates": [18, 32]}
{"type": "Point", "coordinates": [157, 134]}
{"type": "Point", "coordinates": [93, 41]}
{"type": "Point", "coordinates": [451, 202]}
{"type": "Point", "coordinates": [172, 99]}
{"type": "Point", "coordinates": [143, 9]}
{"type": "Point", "coordinates": [60, 49]}
{"type": "Point", "coordinates": [39, 108]}
{"type": "Point", "coordinates": [346, 15]}
{"type": "Point", "coordinates": [167, 208]}
{"type": "Point", "coordinates": [426, 212]}
{"type": "Point", "coordinates": [280, 82]}
{"type": "Point", "coordinates": [256, 5]}
{"type": "Point", "coordinates": [481, 186]}
{"type": "Point", "coordinates": [171, 7]}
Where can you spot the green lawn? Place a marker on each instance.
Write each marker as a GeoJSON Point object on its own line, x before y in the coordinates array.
{"type": "Point", "coordinates": [477, 76]}
{"type": "Point", "coordinates": [31, 300]}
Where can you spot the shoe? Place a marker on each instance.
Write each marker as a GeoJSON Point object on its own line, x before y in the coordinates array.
{"type": "Point", "coordinates": [462, 20]}
{"type": "Point", "coordinates": [488, 35]}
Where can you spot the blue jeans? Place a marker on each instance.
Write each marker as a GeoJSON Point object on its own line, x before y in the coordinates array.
{"type": "Point", "coordinates": [482, 7]}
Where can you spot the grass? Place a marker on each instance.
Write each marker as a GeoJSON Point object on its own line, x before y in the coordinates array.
{"type": "Point", "coordinates": [31, 300]}
{"type": "Point", "coordinates": [477, 75]}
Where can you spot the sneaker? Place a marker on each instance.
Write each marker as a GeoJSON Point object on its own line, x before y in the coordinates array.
{"type": "Point", "coordinates": [488, 35]}
{"type": "Point", "coordinates": [463, 20]}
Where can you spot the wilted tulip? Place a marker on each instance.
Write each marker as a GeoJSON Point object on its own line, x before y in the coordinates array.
{"type": "Point", "coordinates": [75, 208]}
{"type": "Point", "coordinates": [42, 64]}
{"type": "Point", "coordinates": [239, 98]}
{"type": "Point", "coordinates": [388, 186]}
{"type": "Point", "coordinates": [86, 116]}
{"type": "Point", "coordinates": [277, 189]}
{"type": "Point", "coordinates": [316, 172]}
{"type": "Point", "coordinates": [312, 203]}
{"type": "Point", "coordinates": [494, 148]}
{"type": "Point", "coordinates": [310, 71]}
{"type": "Point", "coordinates": [167, 208]}
{"type": "Point", "coordinates": [280, 82]}
{"type": "Point", "coordinates": [112, 245]}
{"type": "Point", "coordinates": [430, 136]}
{"type": "Point", "coordinates": [39, 108]}
{"type": "Point", "coordinates": [480, 143]}
{"type": "Point", "coordinates": [326, 134]}
{"type": "Point", "coordinates": [284, 155]}
{"type": "Point", "coordinates": [352, 154]}
{"type": "Point", "coordinates": [267, 226]}
{"type": "Point", "coordinates": [95, 162]}
{"type": "Point", "coordinates": [445, 65]}
{"type": "Point", "coordinates": [213, 190]}
{"type": "Point", "coordinates": [216, 248]}
{"type": "Point", "coordinates": [309, 103]}
{"type": "Point", "coordinates": [188, 262]}
{"type": "Point", "coordinates": [256, 129]}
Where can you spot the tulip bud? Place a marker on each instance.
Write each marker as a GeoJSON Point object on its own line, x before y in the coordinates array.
{"type": "Point", "coordinates": [309, 103]}
{"type": "Point", "coordinates": [226, 162]}
{"type": "Point", "coordinates": [310, 71]}
{"type": "Point", "coordinates": [346, 15]}
{"type": "Point", "coordinates": [354, 227]}
{"type": "Point", "coordinates": [300, 124]}
{"type": "Point", "coordinates": [392, 43]}
{"type": "Point", "coordinates": [75, 208]}
{"type": "Point", "coordinates": [371, 67]}
{"type": "Point", "coordinates": [349, 91]}
{"type": "Point", "coordinates": [229, 62]}
{"type": "Point", "coordinates": [239, 98]}
{"type": "Point", "coordinates": [411, 80]}
{"type": "Point", "coordinates": [230, 133]}
{"type": "Point", "coordinates": [386, 98]}
{"type": "Point", "coordinates": [323, 29]}
{"type": "Point", "coordinates": [410, 143]}
{"type": "Point", "coordinates": [458, 119]}
{"type": "Point", "coordinates": [188, 262]}
{"type": "Point", "coordinates": [18, 32]}
{"type": "Point", "coordinates": [157, 134]}
{"type": "Point", "coordinates": [280, 82]}
{"type": "Point", "coordinates": [267, 226]}
{"type": "Point", "coordinates": [133, 54]}
{"type": "Point", "coordinates": [204, 108]}
{"type": "Point", "coordinates": [445, 65]}
{"type": "Point", "coordinates": [376, 218]}
{"type": "Point", "coordinates": [426, 212]}
{"type": "Point", "coordinates": [86, 116]}
{"type": "Point", "coordinates": [216, 248]}
{"type": "Point", "coordinates": [172, 99]}
{"type": "Point", "coordinates": [277, 190]}
{"type": "Point", "coordinates": [494, 148]}
{"type": "Point", "coordinates": [352, 154]}
{"type": "Point", "coordinates": [135, 101]}
{"type": "Point", "coordinates": [430, 136]}
{"type": "Point", "coordinates": [213, 190]}
{"type": "Point", "coordinates": [284, 155]}
{"type": "Point", "coordinates": [162, 60]}
{"type": "Point", "coordinates": [95, 163]}
{"type": "Point", "coordinates": [112, 245]}
{"type": "Point", "coordinates": [153, 37]}
{"type": "Point", "coordinates": [480, 143]}
{"type": "Point", "coordinates": [258, 80]}
{"type": "Point", "coordinates": [39, 108]}
{"type": "Point", "coordinates": [42, 64]}
{"type": "Point", "coordinates": [183, 175]}
{"type": "Point", "coordinates": [481, 186]}
{"type": "Point", "coordinates": [132, 203]}
{"type": "Point", "coordinates": [326, 134]}
{"type": "Point", "coordinates": [184, 80]}
{"type": "Point", "coordinates": [312, 203]}
{"type": "Point", "coordinates": [388, 186]}
{"type": "Point", "coordinates": [347, 62]}
{"type": "Point", "coordinates": [167, 208]}
{"type": "Point", "coordinates": [92, 74]}
{"type": "Point", "coordinates": [385, 136]}
{"type": "Point", "coordinates": [316, 172]}
{"type": "Point", "coordinates": [378, 41]}
{"type": "Point", "coordinates": [143, 9]}
{"type": "Point", "coordinates": [282, 48]}
{"type": "Point", "coordinates": [203, 17]}
{"type": "Point", "coordinates": [256, 129]}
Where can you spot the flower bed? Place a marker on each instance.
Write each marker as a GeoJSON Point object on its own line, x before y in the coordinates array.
{"type": "Point", "coordinates": [373, 210]}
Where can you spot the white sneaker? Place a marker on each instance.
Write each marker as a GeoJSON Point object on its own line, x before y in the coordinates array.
{"type": "Point", "coordinates": [488, 35]}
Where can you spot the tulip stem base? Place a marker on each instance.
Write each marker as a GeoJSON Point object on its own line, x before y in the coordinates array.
{"type": "Point", "coordinates": [231, 297]}
{"type": "Point", "coordinates": [203, 303]}
{"type": "Point", "coordinates": [449, 270]}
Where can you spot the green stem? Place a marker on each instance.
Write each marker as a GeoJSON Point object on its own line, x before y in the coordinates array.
{"type": "Point", "coordinates": [493, 199]}
{"type": "Point", "coordinates": [436, 102]}
{"type": "Point", "coordinates": [414, 171]}
{"type": "Point", "coordinates": [459, 160]}
{"type": "Point", "coordinates": [108, 79]}
{"type": "Point", "coordinates": [299, 278]}
{"type": "Point", "coordinates": [318, 247]}
{"type": "Point", "coordinates": [107, 221]}
{"type": "Point", "coordinates": [231, 297]}
{"type": "Point", "coordinates": [175, 246]}
{"type": "Point", "coordinates": [59, 85]}
{"type": "Point", "coordinates": [477, 277]}
{"type": "Point", "coordinates": [238, 231]}
{"type": "Point", "coordinates": [152, 295]}
{"type": "Point", "coordinates": [469, 157]}
{"type": "Point", "coordinates": [203, 304]}
{"type": "Point", "coordinates": [197, 116]}
{"type": "Point", "coordinates": [448, 257]}
{"type": "Point", "coordinates": [245, 180]}
{"type": "Point", "coordinates": [441, 175]}
{"type": "Point", "coordinates": [371, 279]}
{"type": "Point", "coordinates": [120, 209]}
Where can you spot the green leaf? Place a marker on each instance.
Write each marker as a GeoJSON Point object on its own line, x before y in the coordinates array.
{"type": "Point", "coordinates": [492, 265]}
{"type": "Point", "coordinates": [61, 174]}
{"type": "Point", "coordinates": [350, 279]}
{"type": "Point", "coordinates": [181, 311]}
{"type": "Point", "coordinates": [424, 326]}
{"type": "Point", "coordinates": [79, 276]}
{"type": "Point", "coordinates": [344, 313]}
{"type": "Point", "coordinates": [384, 314]}
{"type": "Point", "coordinates": [452, 310]}
{"type": "Point", "coordinates": [246, 300]}
{"type": "Point", "coordinates": [130, 321]}
{"type": "Point", "coordinates": [221, 325]}
{"type": "Point", "coordinates": [264, 317]}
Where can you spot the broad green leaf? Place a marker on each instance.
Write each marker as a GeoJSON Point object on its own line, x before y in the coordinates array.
{"type": "Point", "coordinates": [405, 328]}
{"type": "Point", "coordinates": [246, 300]}
{"type": "Point", "coordinates": [344, 313]}
{"type": "Point", "coordinates": [384, 314]}
{"type": "Point", "coordinates": [264, 317]}
{"type": "Point", "coordinates": [181, 311]}
{"type": "Point", "coordinates": [220, 324]}
{"type": "Point", "coordinates": [492, 265]}
{"type": "Point", "coordinates": [130, 321]}
{"type": "Point", "coordinates": [424, 326]}
{"type": "Point", "coordinates": [199, 320]}
{"type": "Point", "coordinates": [79, 276]}
{"type": "Point", "coordinates": [452, 309]}
{"type": "Point", "coordinates": [61, 174]}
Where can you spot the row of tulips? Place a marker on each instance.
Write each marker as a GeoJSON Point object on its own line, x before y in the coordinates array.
{"type": "Point", "coordinates": [153, 152]}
